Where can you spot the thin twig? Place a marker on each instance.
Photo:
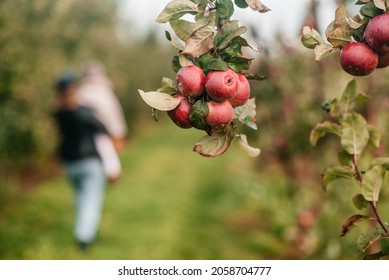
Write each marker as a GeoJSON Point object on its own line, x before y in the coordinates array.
{"type": "Point", "coordinates": [372, 204]}
{"type": "Point", "coordinates": [379, 220]}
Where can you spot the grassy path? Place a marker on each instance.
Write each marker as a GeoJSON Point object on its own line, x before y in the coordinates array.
{"type": "Point", "coordinates": [169, 204]}
{"type": "Point", "coordinates": [174, 204]}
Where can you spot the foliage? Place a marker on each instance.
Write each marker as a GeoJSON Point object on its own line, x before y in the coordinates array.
{"type": "Point", "coordinates": [355, 136]}
{"type": "Point", "coordinates": [38, 40]}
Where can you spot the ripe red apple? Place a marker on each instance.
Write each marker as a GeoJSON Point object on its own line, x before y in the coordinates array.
{"type": "Point", "coordinates": [180, 115]}
{"type": "Point", "coordinates": [190, 81]}
{"type": "Point", "coordinates": [219, 113]}
{"type": "Point", "coordinates": [358, 59]}
{"type": "Point", "coordinates": [243, 92]}
{"type": "Point", "coordinates": [377, 33]}
{"type": "Point", "coordinates": [383, 60]}
{"type": "Point", "coordinates": [221, 85]}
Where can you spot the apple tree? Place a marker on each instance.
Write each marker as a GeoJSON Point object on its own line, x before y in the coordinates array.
{"type": "Point", "coordinates": [363, 43]}
{"type": "Point", "coordinates": [211, 91]}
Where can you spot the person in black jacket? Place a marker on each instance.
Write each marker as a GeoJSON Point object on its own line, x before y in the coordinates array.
{"type": "Point", "coordinates": [78, 127]}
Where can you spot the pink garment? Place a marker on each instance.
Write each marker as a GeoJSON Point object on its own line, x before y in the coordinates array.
{"type": "Point", "coordinates": [95, 92]}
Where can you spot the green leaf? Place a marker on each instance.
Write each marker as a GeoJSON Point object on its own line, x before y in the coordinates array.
{"type": "Point", "coordinates": [372, 183]}
{"type": "Point", "coordinates": [246, 148]}
{"type": "Point", "coordinates": [322, 129]}
{"type": "Point", "coordinates": [168, 86]}
{"type": "Point", "coordinates": [255, 77]}
{"type": "Point", "coordinates": [239, 64]}
{"type": "Point", "coordinates": [206, 20]}
{"type": "Point", "coordinates": [207, 62]}
{"type": "Point", "coordinates": [159, 100]}
{"type": "Point", "coordinates": [345, 158]}
{"type": "Point", "coordinates": [216, 64]}
{"type": "Point", "coordinates": [382, 255]}
{"type": "Point", "coordinates": [227, 33]}
{"type": "Point", "coordinates": [214, 145]}
{"type": "Point", "coordinates": [234, 49]}
{"type": "Point", "coordinates": [365, 240]}
{"type": "Point", "coordinates": [370, 10]}
{"type": "Point", "coordinates": [198, 114]}
{"type": "Point", "coordinates": [168, 36]}
{"type": "Point", "coordinates": [351, 223]}
{"type": "Point", "coordinates": [321, 51]}
{"type": "Point", "coordinates": [184, 61]}
{"type": "Point", "coordinates": [384, 161]}
{"type": "Point", "coordinates": [332, 107]}
{"type": "Point", "coordinates": [374, 136]}
{"type": "Point", "coordinates": [241, 4]}
{"type": "Point", "coordinates": [334, 173]}
{"type": "Point", "coordinates": [351, 96]}
{"type": "Point", "coordinates": [246, 114]}
{"type": "Point", "coordinates": [182, 28]}
{"type": "Point", "coordinates": [203, 60]}
{"type": "Point", "coordinates": [202, 6]}
{"type": "Point", "coordinates": [176, 9]}
{"type": "Point", "coordinates": [360, 202]}
{"type": "Point", "coordinates": [355, 134]}
{"type": "Point", "coordinates": [225, 8]}
{"type": "Point", "coordinates": [200, 42]}
{"type": "Point", "coordinates": [177, 44]}
{"type": "Point", "coordinates": [311, 38]}
{"type": "Point", "coordinates": [176, 64]}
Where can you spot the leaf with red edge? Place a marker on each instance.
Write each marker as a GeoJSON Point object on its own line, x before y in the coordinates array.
{"type": "Point", "coordinates": [200, 42]}
{"type": "Point", "coordinates": [351, 223]}
{"type": "Point", "coordinates": [257, 5]}
{"type": "Point", "coordinates": [365, 240]}
{"type": "Point", "coordinates": [214, 145]}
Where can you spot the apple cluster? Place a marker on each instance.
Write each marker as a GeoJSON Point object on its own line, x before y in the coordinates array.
{"type": "Point", "coordinates": [207, 101]}
{"type": "Point", "coordinates": [362, 58]}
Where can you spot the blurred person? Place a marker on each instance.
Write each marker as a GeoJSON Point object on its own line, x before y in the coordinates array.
{"type": "Point", "coordinates": [84, 167]}
{"type": "Point", "coordinates": [96, 92]}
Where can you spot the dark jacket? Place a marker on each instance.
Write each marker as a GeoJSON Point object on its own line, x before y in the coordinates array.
{"type": "Point", "coordinates": [77, 129]}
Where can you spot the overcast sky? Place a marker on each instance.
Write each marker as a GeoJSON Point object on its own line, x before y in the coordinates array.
{"type": "Point", "coordinates": [285, 15]}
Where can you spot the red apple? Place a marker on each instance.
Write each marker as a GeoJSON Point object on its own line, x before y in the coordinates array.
{"type": "Point", "coordinates": [221, 85]}
{"type": "Point", "coordinates": [219, 113]}
{"type": "Point", "coordinates": [377, 33]}
{"type": "Point", "coordinates": [190, 81]}
{"type": "Point", "coordinates": [180, 115]}
{"type": "Point", "coordinates": [243, 92]}
{"type": "Point", "coordinates": [358, 59]}
{"type": "Point", "coordinates": [383, 60]}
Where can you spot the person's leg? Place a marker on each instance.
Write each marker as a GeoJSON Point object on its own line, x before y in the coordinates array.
{"type": "Point", "coordinates": [90, 198]}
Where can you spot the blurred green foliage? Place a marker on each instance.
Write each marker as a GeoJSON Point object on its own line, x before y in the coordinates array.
{"type": "Point", "coordinates": [41, 38]}
{"type": "Point", "coordinates": [230, 207]}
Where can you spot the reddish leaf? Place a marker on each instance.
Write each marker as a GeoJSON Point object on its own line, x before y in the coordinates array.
{"type": "Point", "coordinates": [351, 223]}
{"type": "Point", "coordinates": [214, 145]}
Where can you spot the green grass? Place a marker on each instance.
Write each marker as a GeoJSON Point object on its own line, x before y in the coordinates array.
{"type": "Point", "coordinates": [174, 204]}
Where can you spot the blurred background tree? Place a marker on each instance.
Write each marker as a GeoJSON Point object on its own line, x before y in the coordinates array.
{"type": "Point", "coordinates": [38, 40]}
{"type": "Point", "coordinates": [270, 207]}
